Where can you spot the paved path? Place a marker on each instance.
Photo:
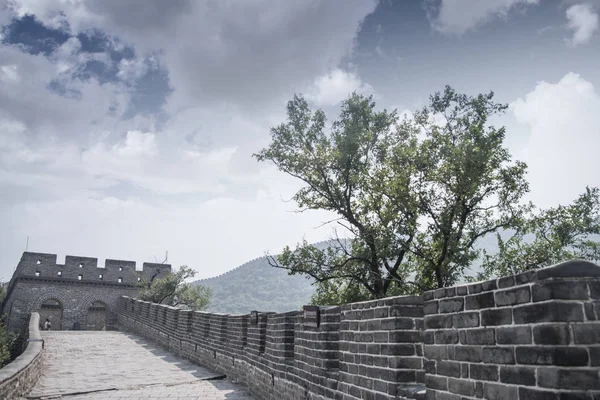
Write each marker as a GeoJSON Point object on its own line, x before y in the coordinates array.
{"type": "Point", "coordinates": [115, 365]}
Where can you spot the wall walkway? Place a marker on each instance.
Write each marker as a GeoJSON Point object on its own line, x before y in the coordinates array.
{"type": "Point", "coordinates": [115, 365]}
{"type": "Point", "coordinates": [531, 336]}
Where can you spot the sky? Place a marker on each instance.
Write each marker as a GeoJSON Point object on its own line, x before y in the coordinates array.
{"type": "Point", "coordinates": [127, 128]}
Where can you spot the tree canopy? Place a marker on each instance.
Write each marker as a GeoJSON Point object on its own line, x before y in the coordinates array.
{"type": "Point", "coordinates": [173, 290]}
{"type": "Point", "coordinates": [412, 195]}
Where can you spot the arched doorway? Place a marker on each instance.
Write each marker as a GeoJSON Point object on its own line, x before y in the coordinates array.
{"type": "Point", "coordinates": [96, 316]}
{"type": "Point", "coordinates": [51, 309]}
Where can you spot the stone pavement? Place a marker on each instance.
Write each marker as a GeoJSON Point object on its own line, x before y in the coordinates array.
{"type": "Point", "coordinates": [116, 365]}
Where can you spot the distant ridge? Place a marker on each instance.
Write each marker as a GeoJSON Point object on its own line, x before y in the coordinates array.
{"type": "Point", "coordinates": [255, 285]}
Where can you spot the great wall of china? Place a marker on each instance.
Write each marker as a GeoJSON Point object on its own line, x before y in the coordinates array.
{"type": "Point", "coordinates": [531, 336]}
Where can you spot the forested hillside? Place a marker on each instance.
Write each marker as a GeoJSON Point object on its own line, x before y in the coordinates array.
{"type": "Point", "coordinates": [256, 285]}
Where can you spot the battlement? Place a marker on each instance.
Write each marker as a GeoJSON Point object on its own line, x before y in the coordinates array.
{"type": "Point", "coordinates": [534, 335]}
{"type": "Point", "coordinates": [86, 269]}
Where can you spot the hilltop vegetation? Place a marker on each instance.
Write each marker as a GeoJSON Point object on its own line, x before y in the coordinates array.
{"type": "Point", "coordinates": [418, 195]}
{"type": "Point", "coordinates": [257, 286]}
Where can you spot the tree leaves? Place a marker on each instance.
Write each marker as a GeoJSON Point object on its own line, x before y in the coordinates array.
{"type": "Point", "coordinates": [555, 235]}
{"type": "Point", "coordinates": [172, 290]}
{"type": "Point", "coordinates": [413, 196]}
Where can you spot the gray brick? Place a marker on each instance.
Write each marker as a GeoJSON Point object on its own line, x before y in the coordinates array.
{"type": "Point", "coordinates": [468, 353]}
{"type": "Point", "coordinates": [560, 356]}
{"type": "Point", "coordinates": [465, 320]}
{"type": "Point", "coordinates": [479, 301]}
{"type": "Point", "coordinates": [517, 375]}
{"type": "Point", "coordinates": [437, 321]}
{"type": "Point", "coordinates": [548, 312]}
{"type": "Point", "coordinates": [502, 316]}
{"type": "Point", "coordinates": [480, 336]}
{"type": "Point", "coordinates": [430, 307]}
{"type": "Point", "coordinates": [594, 355]}
{"type": "Point", "coordinates": [568, 290]}
{"type": "Point", "coordinates": [594, 289]}
{"type": "Point", "coordinates": [451, 305]}
{"type": "Point", "coordinates": [505, 282]}
{"type": "Point", "coordinates": [397, 323]}
{"type": "Point", "coordinates": [498, 355]}
{"type": "Point", "coordinates": [436, 382]}
{"type": "Point", "coordinates": [536, 394]}
{"type": "Point", "coordinates": [394, 349]}
{"type": "Point", "coordinates": [514, 296]}
{"type": "Point", "coordinates": [447, 336]}
{"type": "Point", "coordinates": [577, 379]}
{"type": "Point", "coordinates": [493, 391]}
{"type": "Point", "coordinates": [588, 333]}
{"type": "Point", "coordinates": [552, 334]}
{"type": "Point", "coordinates": [483, 372]}
{"type": "Point", "coordinates": [448, 368]}
{"type": "Point", "coordinates": [460, 386]}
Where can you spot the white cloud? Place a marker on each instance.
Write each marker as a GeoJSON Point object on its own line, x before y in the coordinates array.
{"type": "Point", "coordinates": [336, 86]}
{"type": "Point", "coordinates": [80, 178]}
{"type": "Point", "coordinates": [201, 234]}
{"type": "Point", "coordinates": [583, 21]}
{"type": "Point", "coordinates": [132, 69]}
{"type": "Point", "coordinates": [460, 16]}
{"type": "Point", "coordinates": [212, 50]}
{"type": "Point", "coordinates": [562, 150]}
{"type": "Point", "coordinates": [9, 74]}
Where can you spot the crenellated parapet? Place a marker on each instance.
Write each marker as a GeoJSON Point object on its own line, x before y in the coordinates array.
{"type": "Point", "coordinates": [43, 266]}
{"type": "Point", "coordinates": [535, 335]}
{"type": "Point", "coordinates": [81, 293]}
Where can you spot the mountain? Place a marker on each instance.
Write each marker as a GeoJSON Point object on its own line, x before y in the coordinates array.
{"type": "Point", "coordinates": [256, 285]}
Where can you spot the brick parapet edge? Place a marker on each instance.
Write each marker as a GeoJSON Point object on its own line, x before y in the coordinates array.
{"type": "Point", "coordinates": [530, 336]}
{"type": "Point", "coordinates": [20, 376]}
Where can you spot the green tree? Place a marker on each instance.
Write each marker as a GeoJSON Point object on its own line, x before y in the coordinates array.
{"type": "Point", "coordinates": [468, 185]}
{"type": "Point", "coordinates": [173, 290]}
{"type": "Point", "coordinates": [555, 235]}
{"type": "Point", "coordinates": [413, 195]}
{"type": "Point", "coordinates": [8, 345]}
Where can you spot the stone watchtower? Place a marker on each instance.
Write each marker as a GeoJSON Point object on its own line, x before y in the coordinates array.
{"type": "Point", "coordinates": [76, 295]}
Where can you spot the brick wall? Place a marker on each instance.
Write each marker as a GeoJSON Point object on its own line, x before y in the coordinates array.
{"type": "Point", "coordinates": [533, 336]}
{"type": "Point", "coordinates": [75, 286]}
{"type": "Point", "coordinates": [21, 375]}
{"type": "Point", "coordinates": [369, 350]}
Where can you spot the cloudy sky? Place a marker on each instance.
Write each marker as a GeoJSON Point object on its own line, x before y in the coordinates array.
{"type": "Point", "coordinates": [127, 128]}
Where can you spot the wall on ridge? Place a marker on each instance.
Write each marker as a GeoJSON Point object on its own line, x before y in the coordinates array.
{"type": "Point", "coordinates": [356, 352]}
{"type": "Point", "coordinates": [532, 336]}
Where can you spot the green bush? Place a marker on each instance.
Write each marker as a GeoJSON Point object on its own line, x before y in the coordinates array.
{"type": "Point", "coordinates": [10, 345]}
